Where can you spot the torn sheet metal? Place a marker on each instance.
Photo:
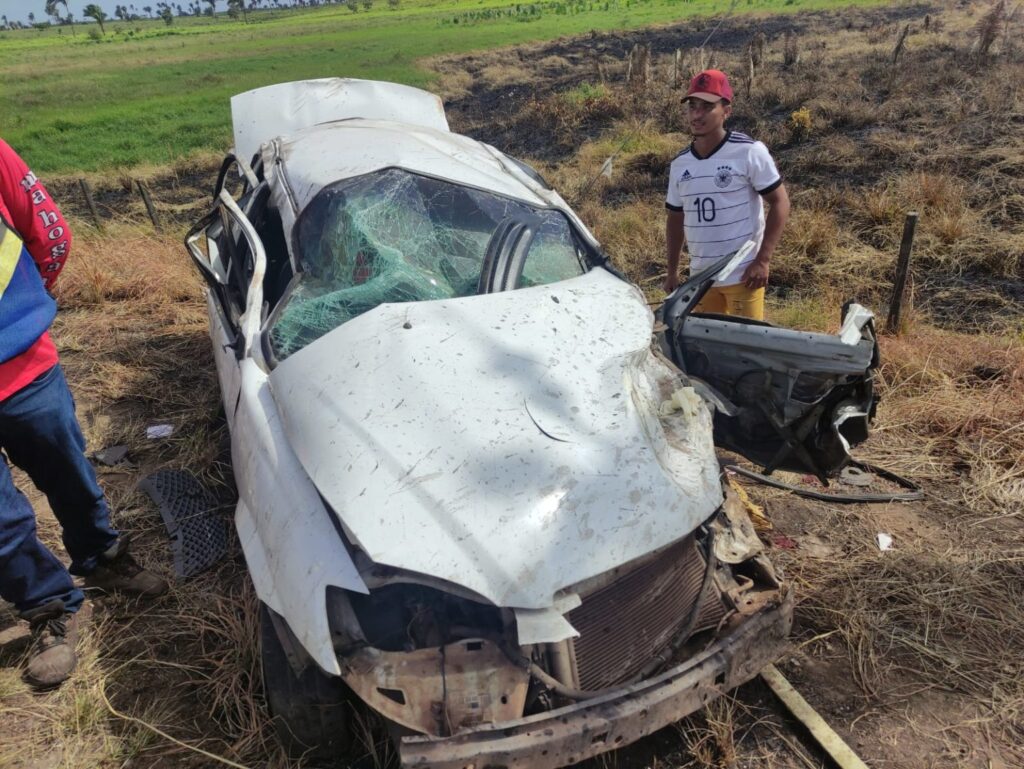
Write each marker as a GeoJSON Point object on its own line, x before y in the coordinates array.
{"type": "Point", "coordinates": [264, 113]}
{"type": "Point", "coordinates": [850, 420]}
{"type": "Point", "coordinates": [440, 690]}
{"type": "Point", "coordinates": [857, 317]}
{"type": "Point", "coordinates": [534, 626]}
{"type": "Point", "coordinates": [509, 443]}
{"type": "Point", "coordinates": [736, 540]}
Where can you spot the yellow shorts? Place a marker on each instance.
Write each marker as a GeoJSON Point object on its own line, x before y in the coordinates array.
{"type": "Point", "coordinates": [734, 300]}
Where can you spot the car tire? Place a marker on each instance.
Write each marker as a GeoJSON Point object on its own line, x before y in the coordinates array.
{"type": "Point", "coordinates": [312, 712]}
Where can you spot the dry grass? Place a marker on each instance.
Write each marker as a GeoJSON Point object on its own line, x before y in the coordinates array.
{"type": "Point", "coordinates": [963, 397]}
{"type": "Point", "coordinates": [915, 621]}
{"type": "Point", "coordinates": [942, 613]}
{"type": "Point", "coordinates": [710, 736]}
{"type": "Point", "coordinates": [500, 75]}
{"type": "Point", "coordinates": [452, 82]}
{"type": "Point", "coordinates": [932, 632]}
{"type": "Point", "coordinates": [936, 622]}
{"type": "Point", "coordinates": [632, 232]}
{"type": "Point", "coordinates": [164, 680]}
{"type": "Point", "coordinates": [107, 270]}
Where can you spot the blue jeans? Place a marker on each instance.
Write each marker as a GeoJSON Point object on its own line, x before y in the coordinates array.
{"type": "Point", "coordinates": [40, 434]}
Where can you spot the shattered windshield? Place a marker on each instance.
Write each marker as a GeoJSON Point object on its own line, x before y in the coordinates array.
{"type": "Point", "coordinates": [395, 236]}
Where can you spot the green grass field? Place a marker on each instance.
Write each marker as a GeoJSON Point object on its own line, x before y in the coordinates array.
{"type": "Point", "coordinates": [150, 94]}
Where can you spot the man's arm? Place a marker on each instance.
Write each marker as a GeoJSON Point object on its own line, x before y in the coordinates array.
{"type": "Point", "coordinates": [756, 274]}
{"type": "Point", "coordinates": [673, 245]}
{"type": "Point", "coordinates": [34, 215]}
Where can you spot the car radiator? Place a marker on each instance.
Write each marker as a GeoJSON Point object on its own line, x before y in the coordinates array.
{"type": "Point", "coordinates": [623, 624]}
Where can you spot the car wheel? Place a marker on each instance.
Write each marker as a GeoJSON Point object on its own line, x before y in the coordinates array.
{"type": "Point", "coordinates": [313, 711]}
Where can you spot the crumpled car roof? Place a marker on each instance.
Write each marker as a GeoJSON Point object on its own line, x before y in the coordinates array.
{"type": "Point", "coordinates": [262, 114]}
{"type": "Point", "coordinates": [321, 155]}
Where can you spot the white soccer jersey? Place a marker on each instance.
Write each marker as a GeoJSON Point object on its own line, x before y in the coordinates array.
{"type": "Point", "coordinates": [720, 197]}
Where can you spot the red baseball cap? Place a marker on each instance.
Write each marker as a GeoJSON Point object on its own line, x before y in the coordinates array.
{"type": "Point", "coordinates": [710, 85]}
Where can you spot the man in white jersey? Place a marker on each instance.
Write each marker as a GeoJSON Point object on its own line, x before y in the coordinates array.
{"type": "Point", "coordinates": [715, 203]}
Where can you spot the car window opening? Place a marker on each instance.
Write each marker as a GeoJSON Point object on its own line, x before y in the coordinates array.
{"type": "Point", "coordinates": [394, 236]}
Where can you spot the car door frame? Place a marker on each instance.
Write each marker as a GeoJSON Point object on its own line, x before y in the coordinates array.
{"type": "Point", "coordinates": [236, 327]}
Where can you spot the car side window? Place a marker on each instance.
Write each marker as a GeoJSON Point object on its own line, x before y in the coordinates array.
{"type": "Point", "coordinates": [554, 255]}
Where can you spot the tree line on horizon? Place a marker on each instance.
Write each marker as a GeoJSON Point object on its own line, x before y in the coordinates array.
{"type": "Point", "coordinates": [57, 12]}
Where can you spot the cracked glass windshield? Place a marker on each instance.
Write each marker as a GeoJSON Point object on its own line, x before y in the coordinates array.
{"type": "Point", "coordinates": [395, 236]}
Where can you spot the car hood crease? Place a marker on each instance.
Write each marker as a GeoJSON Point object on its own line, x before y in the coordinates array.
{"type": "Point", "coordinates": [514, 444]}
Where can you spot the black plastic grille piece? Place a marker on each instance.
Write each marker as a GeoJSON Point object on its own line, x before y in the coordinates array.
{"type": "Point", "coordinates": [198, 532]}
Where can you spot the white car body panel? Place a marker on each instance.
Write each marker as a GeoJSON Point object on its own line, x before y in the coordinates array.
{"type": "Point", "coordinates": [301, 164]}
{"type": "Point", "coordinates": [508, 443]}
{"type": "Point", "coordinates": [291, 545]}
{"type": "Point", "coordinates": [321, 155]}
{"type": "Point", "coordinates": [383, 125]}
{"type": "Point", "coordinates": [265, 113]}
{"type": "Point", "coordinates": [534, 626]}
{"type": "Point", "coordinates": [225, 359]}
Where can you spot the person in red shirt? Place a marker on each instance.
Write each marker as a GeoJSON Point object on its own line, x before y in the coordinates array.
{"type": "Point", "coordinates": [39, 433]}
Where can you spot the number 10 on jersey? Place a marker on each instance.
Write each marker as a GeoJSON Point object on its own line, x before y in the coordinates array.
{"type": "Point", "coordinates": [705, 208]}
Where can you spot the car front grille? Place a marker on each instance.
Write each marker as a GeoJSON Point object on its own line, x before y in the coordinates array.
{"type": "Point", "coordinates": [624, 624]}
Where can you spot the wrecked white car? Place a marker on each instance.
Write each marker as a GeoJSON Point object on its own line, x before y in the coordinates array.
{"type": "Point", "coordinates": [473, 495]}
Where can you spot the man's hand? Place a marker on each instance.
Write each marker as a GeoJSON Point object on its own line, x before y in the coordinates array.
{"type": "Point", "coordinates": [756, 275]}
{"type": "Point", "coordinates": [671, 282]}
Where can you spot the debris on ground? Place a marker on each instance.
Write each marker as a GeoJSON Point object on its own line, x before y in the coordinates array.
{"type": "Point", "coordinates": [112, 455]}
{"type": "Point", "coordinates": [191, 515]}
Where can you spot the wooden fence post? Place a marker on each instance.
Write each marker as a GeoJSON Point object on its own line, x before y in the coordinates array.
{"type": "Point", "coordinates": [149, 203]}
{"type": "Point", "coordinates": [899, 284]}
{"type": "Point", "coordinates": [90, 203]}
{"type": "Point", "coordinates": [629, 67]}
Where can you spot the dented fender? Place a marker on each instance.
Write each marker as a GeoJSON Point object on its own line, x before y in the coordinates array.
{"type": "Point", "coordinates": [289, 556]}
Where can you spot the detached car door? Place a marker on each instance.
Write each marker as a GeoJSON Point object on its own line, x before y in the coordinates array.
{"type": "Point", "coordinates": [785, 399]}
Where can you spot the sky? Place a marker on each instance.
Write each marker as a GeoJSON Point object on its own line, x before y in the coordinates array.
{"type": "Point", "coordinates": [19, 9]}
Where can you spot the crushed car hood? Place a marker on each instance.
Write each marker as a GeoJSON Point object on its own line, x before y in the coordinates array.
{"type": "Point", "coordinates": [514, 443]}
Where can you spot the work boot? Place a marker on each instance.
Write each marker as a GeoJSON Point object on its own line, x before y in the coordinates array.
{"type": "Point", "coordinates": [54, 634]}
{"type": "Point", "coordinates": [118, 572]}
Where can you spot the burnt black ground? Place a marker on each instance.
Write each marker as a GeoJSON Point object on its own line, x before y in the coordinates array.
{"type": "Point", "coordinates": [490, 113]}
